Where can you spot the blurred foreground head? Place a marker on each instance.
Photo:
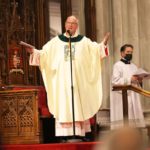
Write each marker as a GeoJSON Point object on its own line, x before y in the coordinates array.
{"type": "Point", "coordinates": [123, 139]}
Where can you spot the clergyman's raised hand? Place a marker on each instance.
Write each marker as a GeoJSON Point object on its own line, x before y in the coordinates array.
{"type": "Point", "coordinates": [106, 38]}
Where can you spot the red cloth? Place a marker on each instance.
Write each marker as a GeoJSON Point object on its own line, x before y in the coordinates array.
{"type": "Point", "coordinates": [106, 51]}
{"type": "Point", "coordinates": [59, 146]}
{"type": "Point", "coordinates": [92, 121]}
{"type": "Point", "coordinates": [42, 102]}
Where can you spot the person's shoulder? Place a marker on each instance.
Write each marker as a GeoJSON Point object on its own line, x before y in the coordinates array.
{"type": "Point", "coordinates": [52, 40]}
{"type": "Point", "coordinates": [82, 37]}
{"type": "Point", "coordinates": [87, 38]}
{"type": "Point", "coordinates": [133, 64]}
{"type": "Point", "coordinates": [118, 64]}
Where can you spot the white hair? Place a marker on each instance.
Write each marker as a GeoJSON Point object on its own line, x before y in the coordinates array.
{"type": "Point", "coordinates": [73, 17]}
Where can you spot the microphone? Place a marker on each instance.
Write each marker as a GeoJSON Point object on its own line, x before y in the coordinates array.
{"type": "Point", "coordinates": [68, 31]}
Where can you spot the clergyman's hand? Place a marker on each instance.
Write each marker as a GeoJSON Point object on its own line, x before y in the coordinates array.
{"type": "Point", "coordinates": [106, 38]}
{"type": "Point", "coordinates": [29, 50]}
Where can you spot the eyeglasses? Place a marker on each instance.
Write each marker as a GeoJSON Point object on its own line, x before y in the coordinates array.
{"type": "Point", "coordinates": [71, 23]}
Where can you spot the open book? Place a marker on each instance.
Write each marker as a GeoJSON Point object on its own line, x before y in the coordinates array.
{"type": "Point", "coordinates": [141, 73]}
{"type": "Point", "coordinates": [26, 44]}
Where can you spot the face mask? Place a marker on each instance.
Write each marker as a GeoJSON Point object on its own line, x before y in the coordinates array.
{"type": "Point", "coordinates": [128, 57]}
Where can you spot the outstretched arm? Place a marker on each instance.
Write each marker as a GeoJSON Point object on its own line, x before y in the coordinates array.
{"type": "Point", "coordinates": [34, 54]}
{"type": "Point", "coordinates": [106, 38]}
{"type": "Point", "coordinates": [104, 48]}
{"type": "Point", "coordinates": [29, 48]}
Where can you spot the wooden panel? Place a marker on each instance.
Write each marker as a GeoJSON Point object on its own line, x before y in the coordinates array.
{"type": "Point", "coordinates": [24, 20]}
{"type": "Point", "coordinates": [90, 19]}
{"type": "Point", "coordinates": [19, 122]}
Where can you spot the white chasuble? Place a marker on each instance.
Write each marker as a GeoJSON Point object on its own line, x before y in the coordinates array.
{"type": "Point", "coordinates": [54, 63]}
{"type": "Point", "coordinates": [122, 74]}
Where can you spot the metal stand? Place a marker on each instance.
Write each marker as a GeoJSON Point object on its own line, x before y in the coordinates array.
{"type": "Point", "coordinates": [74, 139]}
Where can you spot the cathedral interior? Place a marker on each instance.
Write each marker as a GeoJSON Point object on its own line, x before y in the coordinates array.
{"type": "Point", "coordinates": [24, 116]}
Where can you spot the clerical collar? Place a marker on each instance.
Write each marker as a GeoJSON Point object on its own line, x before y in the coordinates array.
{"type": "Point", "coordinates": [125, 61]}
{"type": "Point", "coordinates": [77, 38]}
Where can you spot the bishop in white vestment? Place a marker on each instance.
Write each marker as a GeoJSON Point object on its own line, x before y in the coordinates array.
{"type": "Point", "coordinates": [54, 63]}
{"type": "Point", "coordinates": [123, 72]}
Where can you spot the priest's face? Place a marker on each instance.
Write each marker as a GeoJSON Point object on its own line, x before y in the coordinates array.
{"type": "Point", "coordinates": [128, 50]}
{"type": "Point", "coordinates": [71, 24]}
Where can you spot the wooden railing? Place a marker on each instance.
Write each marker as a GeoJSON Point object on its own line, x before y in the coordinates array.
{"type": "Point", "coordinates": [124, 89]}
